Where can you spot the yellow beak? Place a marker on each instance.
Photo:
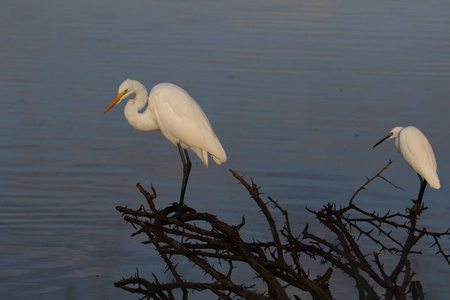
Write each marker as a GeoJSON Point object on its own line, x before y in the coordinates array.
{"type": "Point", "coordinates": [115, 101]}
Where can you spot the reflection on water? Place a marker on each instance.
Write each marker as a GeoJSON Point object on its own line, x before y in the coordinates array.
{"type": "Point", "coordinates": [297, 93]}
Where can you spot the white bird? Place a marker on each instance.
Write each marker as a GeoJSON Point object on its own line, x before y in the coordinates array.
{"type": "Point", "coordinates": [171, 110]}
{"type": "Point", "coordinates": [416, 150]}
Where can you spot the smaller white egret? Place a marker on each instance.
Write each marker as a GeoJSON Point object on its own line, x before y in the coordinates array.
{"type": "Point", "coordinates": [171, 110]}
{"type": "Point", "coordinates": [416, 150]}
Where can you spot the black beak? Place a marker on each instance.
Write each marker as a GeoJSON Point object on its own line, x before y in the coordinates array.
{"type": "Point", "coordinates": [385, 138]}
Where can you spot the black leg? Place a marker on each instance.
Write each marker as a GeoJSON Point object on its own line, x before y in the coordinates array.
{"type": "Point", "coordinates": [186, 170]}
{"type": "Point", "coordinates": [423, 185]}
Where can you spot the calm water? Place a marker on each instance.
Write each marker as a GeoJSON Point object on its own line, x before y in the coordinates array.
{"type": "Point", "coordinates": [297, 91]}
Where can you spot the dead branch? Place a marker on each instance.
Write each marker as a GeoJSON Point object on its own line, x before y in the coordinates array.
{"type": "Point", "coordinates": [207, 242]}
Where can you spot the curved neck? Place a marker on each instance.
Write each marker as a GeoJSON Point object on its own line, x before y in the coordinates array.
{"type": "Point", "coordinates": [141, 121]}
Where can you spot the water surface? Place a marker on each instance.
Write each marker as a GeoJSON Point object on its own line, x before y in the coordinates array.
{"type": "Point", "coordinates": [298, 92]}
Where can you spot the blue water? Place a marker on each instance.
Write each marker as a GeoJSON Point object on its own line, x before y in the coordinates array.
{"type": "Point", "coordinates": [298, 92]}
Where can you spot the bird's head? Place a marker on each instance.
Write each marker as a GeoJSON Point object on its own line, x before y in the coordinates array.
{"type": "Point", "coordinates": [393, 134]}
{"type": "Point", "coordinates": [127, 88]}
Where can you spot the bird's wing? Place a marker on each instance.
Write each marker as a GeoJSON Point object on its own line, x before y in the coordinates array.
{"type": "Point", "coordinates": [181, 120]}
{"type": "Point", "coordinates": [418, 153]}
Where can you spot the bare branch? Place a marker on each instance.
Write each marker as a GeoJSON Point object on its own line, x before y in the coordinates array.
{"type": "Point", "coordinates": [358, 240]}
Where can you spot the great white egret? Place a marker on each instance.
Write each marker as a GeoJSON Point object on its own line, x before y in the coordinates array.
{"type": "Point", "coordinates": [171, 110]}
{"type": "Point", "coordinates": [417, 151]}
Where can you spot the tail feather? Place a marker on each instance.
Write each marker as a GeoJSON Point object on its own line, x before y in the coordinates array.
{"type": "Point", "coordinates": [435, 183]}
{"type": "Point", "coordinates": [218, 160]}
{"type": "Point", "coordinates": [218, 156]}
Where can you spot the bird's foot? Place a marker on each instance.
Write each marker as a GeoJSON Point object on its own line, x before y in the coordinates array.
{"type": "Point", "coordinates": [174, 208]}
{"type": "Point", "coordinates": [417, 208]}
{"type": "Point", "coordinates": [177, 210]}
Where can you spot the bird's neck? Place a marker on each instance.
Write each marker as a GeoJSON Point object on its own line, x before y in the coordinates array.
{"type": "Point", "coordinates": [143, 121]}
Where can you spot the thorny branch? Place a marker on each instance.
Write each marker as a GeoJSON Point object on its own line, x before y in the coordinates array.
{"type": "Point", "coordinates": [217, 248]}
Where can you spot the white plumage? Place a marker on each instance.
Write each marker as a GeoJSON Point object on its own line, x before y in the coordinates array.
{"type": "Point", "coordinates": [417, 152]}
{"type": "Point", "coordinates": [171, 110]}
{"type": "Point", "coordinates": [176, 114]}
